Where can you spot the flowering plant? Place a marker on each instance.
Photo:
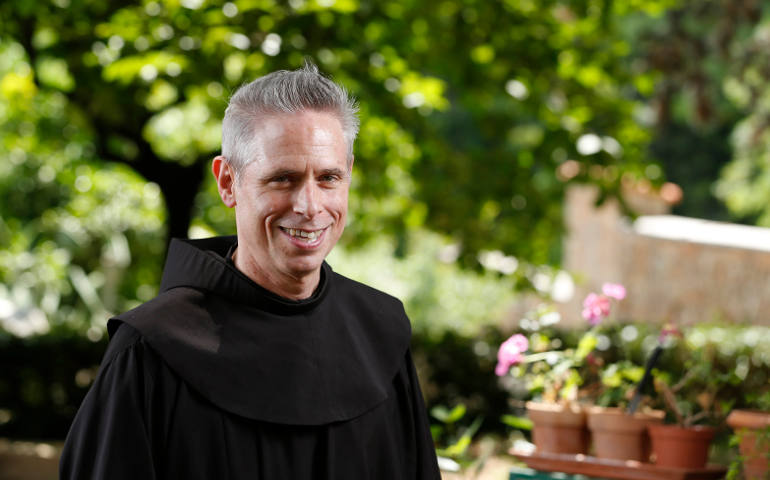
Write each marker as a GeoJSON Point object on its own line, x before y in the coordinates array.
{"type": "Point", "coordinates": [596, 307]}
{"type": "Point", "coordinates": [703, 392]}
{"type": "Point", "coordinates": [556, 374]}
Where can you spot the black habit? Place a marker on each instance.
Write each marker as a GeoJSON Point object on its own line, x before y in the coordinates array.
{"type": "Point", "coordinates": [218, 378]}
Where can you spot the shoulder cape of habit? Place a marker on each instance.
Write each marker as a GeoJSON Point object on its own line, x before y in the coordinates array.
{"type": "Point", "coordinates": [324, 359]}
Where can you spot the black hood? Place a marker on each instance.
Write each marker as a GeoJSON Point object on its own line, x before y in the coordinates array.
{"type": "Point", "coordinates": [250, 352]}
{"type": "Point", "coordinates": [206, 265]}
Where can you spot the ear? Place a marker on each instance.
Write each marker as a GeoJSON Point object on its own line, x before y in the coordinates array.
{"type": "Point", "coordinates": [225, 178]}
{"type": "Point", "coordinates": [350, 167]}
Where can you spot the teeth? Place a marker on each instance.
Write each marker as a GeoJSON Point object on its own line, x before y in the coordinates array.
{"type": "Point", "coordinates": [303, 234]}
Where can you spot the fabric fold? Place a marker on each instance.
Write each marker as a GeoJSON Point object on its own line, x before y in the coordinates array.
{"type": "Point", "coordinates": [329, 358]}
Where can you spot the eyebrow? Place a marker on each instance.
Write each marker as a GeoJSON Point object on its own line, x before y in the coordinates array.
{"type": "Point", "coordinates": [277, 173]}
{"type": "Point", "coordinates": [287, 172]}
{"type": "Point", "coordinates": [334, 171]}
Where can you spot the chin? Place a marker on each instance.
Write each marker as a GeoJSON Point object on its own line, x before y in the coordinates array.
{"type": "Point", "coordinates": [304, 266]}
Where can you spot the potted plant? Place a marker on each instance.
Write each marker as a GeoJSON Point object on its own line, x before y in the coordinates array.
{"type": "Point", "coordinates": [615, 432]}
{"type": "Point", "coordinates": [558, 421]}
{"type": "Point", "coordinates": [695, 404]}
{"type": "Point", "coordinates": [752, 435]}
{"type": "Point", "coordinates": [619, 421]}
{"type": "Point", "coordinates": [556, 375]}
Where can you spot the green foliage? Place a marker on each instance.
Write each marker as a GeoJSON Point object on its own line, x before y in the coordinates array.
{"type": "Point", "coordinates": [717, 362]}
{"type": "Point", "coordinates": [619, 381]}
{"type": "Point", "coordinates": [79, 239]}
{"type": "Point", "coordinates": [519, 423]}
{"type": "Point", "coordinates": [459, 369]}
{"type": "Point", "coordinates": [760, 451]}
{"type": "Point", "coordinates": [438, 295]}
{"type": "Point", "coordinates": [38, 397]}
{"type": "Point", "coordinates": [693, 158]}
{"type": "Point", "coordinates": [457, 439]}
{"type": "Point", "coordinates": [461, 134]}
{"type": "Point", "coordinates": [731, 365]}
{"type": "Point", "coordinates": [556, 374]}
{"type": "Point", "coordinates": [711, 104]}
{"type": "Point", "coordinates": [551, 374]}
{"type": "Point", "coordinates": [745, 182]}
{"type": "Point", "coordinates": [690, 397]}
{"type": "Point", "coordinates": [446, 416]}
{"type": "Point", "coordinates": [586, 345]}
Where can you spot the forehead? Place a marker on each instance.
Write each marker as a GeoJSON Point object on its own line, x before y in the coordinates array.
{"type": "Point", "coordinates": [297, 142]}
{"type": "Point", "coordinates": [297, 131]}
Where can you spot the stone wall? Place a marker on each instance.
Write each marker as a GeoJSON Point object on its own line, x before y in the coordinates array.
{"type": "Point", "coordinates": [675, 269]}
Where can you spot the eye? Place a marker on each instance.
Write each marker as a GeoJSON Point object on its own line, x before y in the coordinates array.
{"type": "Point", "coordinates": [280, 179]}
{"type": "Point", "coordinates": [329, 178]}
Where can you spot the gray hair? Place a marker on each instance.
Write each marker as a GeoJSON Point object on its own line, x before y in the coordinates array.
{"type": "Point", "coordinates": [283, 92]}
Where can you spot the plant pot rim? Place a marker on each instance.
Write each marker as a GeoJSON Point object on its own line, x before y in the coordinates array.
{"type": "Point", "coordinates": [554, 407]}
{"type": "Point", "coordinates": [748, 419]}
{"type": "Point", "coordinates": [616, 411]}
{"type": "Point", "coordinates": [674, 429]}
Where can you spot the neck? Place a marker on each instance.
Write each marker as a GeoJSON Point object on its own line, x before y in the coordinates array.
{"type": "Point", "coordinates": [293, 287]}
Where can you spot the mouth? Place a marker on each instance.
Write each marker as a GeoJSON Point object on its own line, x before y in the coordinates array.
{"type": "Point", "coordinates": [307, 236]}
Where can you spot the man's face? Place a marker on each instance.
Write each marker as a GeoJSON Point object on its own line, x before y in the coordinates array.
{"type": "Point", "coordinates": [291, 200]}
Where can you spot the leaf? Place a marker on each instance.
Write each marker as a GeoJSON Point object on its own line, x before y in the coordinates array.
{"type": "Point", "coordinates": [443, 414]}
{"type": "Point", "coordinates": [440, 413]}
{"type": "Point", "coordinates": [461, 445]}
{"type": "Point", "coordinates": [634, 374]}
{"type": "Point", "coordinates": [456, 414]}
{"type": "Point", "coordinates": [586, 346]}
{"type": "Point", "coordinates": [457, 448]}
{"type": "Point", "coordinates": [570, 388]}
{"type": "Point", "coordinates": [471, 431]}
{"type": "Point", "coordinates": [436, 431]}
{"type": "Point", "coordinates": [521, 423]}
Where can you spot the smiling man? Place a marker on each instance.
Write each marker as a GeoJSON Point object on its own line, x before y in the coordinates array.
{"type": "Point", "coordinates": [256, 360]}
{"type": "Point", "coordinates": [291, 199]}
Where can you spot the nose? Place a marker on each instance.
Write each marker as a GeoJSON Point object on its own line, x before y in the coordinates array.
{"type": "Point", "coordinates": [306, 202]}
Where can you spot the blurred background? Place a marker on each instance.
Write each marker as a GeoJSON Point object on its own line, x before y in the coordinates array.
{"type": "Point", "coordinates": [512, 153]}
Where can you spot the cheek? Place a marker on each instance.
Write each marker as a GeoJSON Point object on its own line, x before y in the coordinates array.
{"type": "Point", "coordinates": [339, 203]}
{"type": "Point", "coordinates": [268, 207]}
{"type": "Point", "coordinates": [267, 216]}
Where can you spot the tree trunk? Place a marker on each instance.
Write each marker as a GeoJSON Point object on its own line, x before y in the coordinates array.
{"type": "Point", "coordinates": [179, 185]}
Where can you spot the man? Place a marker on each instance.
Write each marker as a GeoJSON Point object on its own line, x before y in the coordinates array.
{"type": "Point", "coordinates": [256, 360]}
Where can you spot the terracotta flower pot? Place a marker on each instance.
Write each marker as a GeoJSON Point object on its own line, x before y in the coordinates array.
{"type": "Point", "coordinates": [680, 447]}
{"type": "Point", "coordinates": [558, 428]}
{"type": "Point", "coordinates": [752, 429]}
{"type": "Point", "coordinates": [618, 435]}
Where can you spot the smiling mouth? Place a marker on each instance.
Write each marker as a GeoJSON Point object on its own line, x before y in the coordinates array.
{"type": "Point", "coordinates": [305, 235]}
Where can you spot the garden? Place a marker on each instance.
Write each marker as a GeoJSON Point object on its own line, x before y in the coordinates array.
{"type": "Point", "coordinates": [479, 122]}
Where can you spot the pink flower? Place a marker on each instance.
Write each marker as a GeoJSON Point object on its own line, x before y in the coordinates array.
{"type": "Point", "coordinates": [614, 290]}
{"type": "Point", "coordinates": [510, 353]}
{"type": "Point", "coordinates": [595, 308]}
{"type": "Point", "coordinates": [669, 330]}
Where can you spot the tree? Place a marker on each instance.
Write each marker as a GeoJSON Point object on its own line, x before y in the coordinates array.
{"type": "Point", "coordinates": [468, 111]}
{"type": "Point", "coordinates": [711, 118]}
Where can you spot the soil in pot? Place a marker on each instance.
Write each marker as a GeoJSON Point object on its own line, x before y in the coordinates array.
{"type": "Point", "coordinates": [680, 447]}
{"type": "Point", "coordinates": [617, 435]}
{"type": "Point", "coordinates": [558, 428]}
{"type": "Point", "coordinates": [753, 431]}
